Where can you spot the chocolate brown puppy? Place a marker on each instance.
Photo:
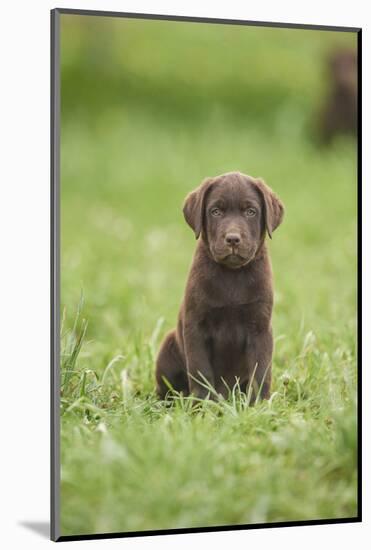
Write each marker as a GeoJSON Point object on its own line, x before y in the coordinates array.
{"type": "Point", "coordinates": [224, 331]}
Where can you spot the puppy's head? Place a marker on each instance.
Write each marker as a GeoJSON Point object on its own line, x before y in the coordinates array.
{"type": "Point", "coordinates": [232, 213]}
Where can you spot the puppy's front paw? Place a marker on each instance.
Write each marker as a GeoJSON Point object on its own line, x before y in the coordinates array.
{"type": "Point", "coordinates": [200, 392]}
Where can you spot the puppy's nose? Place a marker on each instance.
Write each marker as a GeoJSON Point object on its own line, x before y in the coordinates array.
{"type": "Point", "coordinates": [232, 239]}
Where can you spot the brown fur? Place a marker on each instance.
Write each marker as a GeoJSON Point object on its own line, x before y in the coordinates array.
{"type": "Point", "coordinates": [224, 329]}
{"type": "Point", "coordinates": [339, 114]}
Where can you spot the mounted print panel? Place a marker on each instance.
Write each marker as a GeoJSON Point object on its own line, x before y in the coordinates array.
{"type": "Point", "coordinates": [204, 274]}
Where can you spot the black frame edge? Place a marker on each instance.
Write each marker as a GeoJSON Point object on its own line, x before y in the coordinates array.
{"type": "Point", "coordinates": [55, 273]}
{"type": "Point", "coordinates": [197, 19]}
{"type": "Point", "coordinates": [190, 530]}
{"type": "Point", "coordinates": [359, 271]}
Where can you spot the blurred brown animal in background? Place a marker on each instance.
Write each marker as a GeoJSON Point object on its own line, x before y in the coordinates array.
{"type": "Point", "coordinates": [339, 114]}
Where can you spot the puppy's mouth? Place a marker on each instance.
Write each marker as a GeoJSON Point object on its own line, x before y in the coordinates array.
{"type": "Point", "coordinates": [234, 258]}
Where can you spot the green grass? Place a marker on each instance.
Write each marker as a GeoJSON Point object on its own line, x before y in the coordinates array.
{"type": "Point", "coordinates": [128, 461]}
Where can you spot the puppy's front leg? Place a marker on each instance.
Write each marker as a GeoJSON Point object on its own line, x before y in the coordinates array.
{"type": "Point", "coordinates": [259, 361]}
{"type": "Point", "coordinates": [198, 361]}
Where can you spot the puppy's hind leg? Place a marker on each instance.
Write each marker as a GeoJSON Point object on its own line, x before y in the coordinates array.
{"type": "Point", "coordinates": [170, 365]}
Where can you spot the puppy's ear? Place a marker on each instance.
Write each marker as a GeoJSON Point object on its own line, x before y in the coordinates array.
{"type": "Point", "coordinates": [194, 206]}
{"type": "Point", "coordinates": [273, 207]}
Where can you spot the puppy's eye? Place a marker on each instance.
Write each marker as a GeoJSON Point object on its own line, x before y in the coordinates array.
{"type": "Point", "coordinates": [250, 212]}
{"type": "Point", "coordinates": [216, 212]}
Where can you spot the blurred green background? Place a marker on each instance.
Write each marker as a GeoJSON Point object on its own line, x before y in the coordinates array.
{"type": "Point", "coordinates": [149, 109]}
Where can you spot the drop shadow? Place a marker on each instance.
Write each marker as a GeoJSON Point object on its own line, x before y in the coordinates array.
{"type": "Point", "coordinates": [42, 528]}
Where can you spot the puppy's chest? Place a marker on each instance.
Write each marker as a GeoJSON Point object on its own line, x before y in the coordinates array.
{"type": "Point", "coordinates": [231, 291]}
{"type": "Point", "coordinates": [229, 326]}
